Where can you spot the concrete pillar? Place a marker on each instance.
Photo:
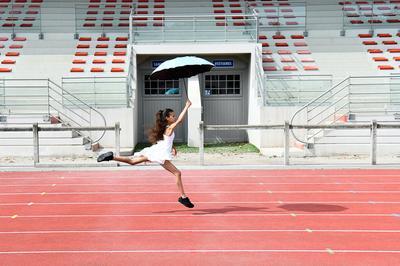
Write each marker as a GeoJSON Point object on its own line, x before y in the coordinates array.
{"type": "Point", "coordinates": [194, 114]}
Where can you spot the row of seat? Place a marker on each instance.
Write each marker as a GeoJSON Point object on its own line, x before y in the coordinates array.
{"type": "Point", "coordinates": [373, 21]}
{"type": "Point", "coordinates": [376, 9]}
{"type": "Point", "coordinates": [21, 1]}
{"type": "Point", "coordinates": [380, 35]}
{"type": "Point", "coordinates": [289, 68]}
{"type": "Point", "coordinates": [110, 57]}
{"type": "Point", "coordinates": [20, 13]}
{"type": "Point", "coordinates": [390, 42]}
{"type": "Point", "coordinates": [376, 46]}
{"type": "Point", "coordinates": [289, 59]}
{"type": "Point", "coordinates": [97, 70]}
{"type": "Point", "coordinates": [126, 1]}
{"type": "Point", "coordinates": [10, 50]}
{"type": "Point", "coordinates": [377, 2]}
{"type": "Point", "coordinates": [110, 15]}
{"type": "Point", "coordinates": [370, 15]}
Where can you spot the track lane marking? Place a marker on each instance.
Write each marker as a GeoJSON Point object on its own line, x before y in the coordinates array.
{"type": "Point", "coordinates": [199, 251]}
{"type": "Point", "coordinates": [349, 231]}
{"type": "Point", "coordinates": [206, 192]}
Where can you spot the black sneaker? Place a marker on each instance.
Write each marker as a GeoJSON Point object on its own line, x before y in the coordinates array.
{"type": "Point", "coordinates": [186, 202]}
{"type": "Point", "coordinates": [108, 156]}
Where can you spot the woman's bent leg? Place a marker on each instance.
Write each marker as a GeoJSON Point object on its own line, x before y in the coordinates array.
{"type": "Point", "coordinates": [172, 169]}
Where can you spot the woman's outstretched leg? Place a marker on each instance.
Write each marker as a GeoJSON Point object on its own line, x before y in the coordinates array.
{"type": "Point", "coordinates": [108, 156]}
{"type": "Point", "coordinates": [172, 169]}
{"type": "Point", "coordinates": [131, 161]}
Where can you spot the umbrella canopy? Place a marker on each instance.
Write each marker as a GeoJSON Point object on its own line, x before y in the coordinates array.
{"type": "Point", "coordinates": [181, 67]}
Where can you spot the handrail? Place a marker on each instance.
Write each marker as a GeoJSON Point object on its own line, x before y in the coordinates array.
{"type": "Point", "coordinates": [51, 98]}
{"type": "Point", "coordinates": [261, 82]}
{"type": "Point", "coordinates": [309, 104]}
{"type": "Point", "coordinates": [194, 28]}
{"type": "Point", "coordinates": [64, 91]}
{"type": "Point", "coordinates": [121, 90]}
{"type": "Point", "coordinates": [287, 88]}
{"type": "Point", "coordinates": [329, 97]}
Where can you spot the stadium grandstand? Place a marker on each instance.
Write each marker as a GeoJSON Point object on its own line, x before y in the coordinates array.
{"type": "Point", "coordinates": [87, 63]}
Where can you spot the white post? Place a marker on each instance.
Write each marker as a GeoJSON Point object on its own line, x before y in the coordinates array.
{"type": "Point", "coordinates": [286, 144]}
{"type": "Point", "coordinates": [194, 113]}
{"type": "Point", "coordinates": [117, 139]}
{"type": "Point", "coordinates": [35, 143]}
{"type": "Point", "coordinates": [201, 146]}
{"type": "Point", "coordinates": [373, 141]}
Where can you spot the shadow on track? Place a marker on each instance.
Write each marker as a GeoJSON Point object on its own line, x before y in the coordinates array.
{"type": "Point", "coordinates": [312, 207]}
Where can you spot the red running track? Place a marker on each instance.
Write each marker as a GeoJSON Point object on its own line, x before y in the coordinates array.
{"type": "Point", "coordinates": [260, 217]}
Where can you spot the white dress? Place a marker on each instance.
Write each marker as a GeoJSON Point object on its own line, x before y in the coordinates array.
{"type": "Point", "coordinates": [160, 151]}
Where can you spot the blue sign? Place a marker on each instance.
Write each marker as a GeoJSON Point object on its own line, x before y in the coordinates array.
{"type": "Point", "coordinates": [222, 63]}
{"type": "Point", "coordinates": [156, 63]}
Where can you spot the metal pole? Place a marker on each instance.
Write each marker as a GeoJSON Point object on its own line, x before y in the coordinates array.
{"type": "Point", "coordinates": [35, 143]}
{"type": "Point", "coordinates": [117, 138]}
{"type": "Point", "coordinates": [48, 98]}
{"type": "Point", "coordinates": [286, 144]}
{"type": "Point", "coordinates": [76, 35]}
{"type": "Point", "coordinates": [373, 141]}
{"type": "Point", "coordinates": [40, 25]}
{"type": "Point", "coordinates": [201, 146]}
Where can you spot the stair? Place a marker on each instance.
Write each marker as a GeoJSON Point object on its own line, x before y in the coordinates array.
{"type": "Point", "coordinates": [21, 143]}
{"type": "Point", "coordinates": [358, 141]}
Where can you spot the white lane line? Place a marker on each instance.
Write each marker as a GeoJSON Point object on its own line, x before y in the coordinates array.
{"type": "Point", "coordinates": [202, 231]}
{"type": "Point", "coordinates": [198, 251]}
{"type": "Point", "coordinates": [215, 175]}
{"type": "Point", "coordinates": [201, 183]}
{"type": "Point", "coordinates": [198, 202]}
{"type": "Point", "coordinates": [202, 214]}
{"type": "Point", "coordinates": [208, 192]}
{"type": "Point", "coordinates": [330, 251]}
{"type": "Point", "coordinates": [228, 173]}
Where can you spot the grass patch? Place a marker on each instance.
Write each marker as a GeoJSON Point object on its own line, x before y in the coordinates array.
{"type": "Point", "coordinates": [236, 147]}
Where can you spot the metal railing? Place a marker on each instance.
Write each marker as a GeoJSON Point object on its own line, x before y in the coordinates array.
{"type": "Point", "coordinates": [294, 89]}
{"type": "Point", "coordinates": [369, 16]}
{"type": "Point", "coordinates": [99, 92]}
{"type": "Point", "coordinates": [16, 19]}
{"type": "Point", "coordinates": [132, 76]}
{"type": "Point", "coordinates": [281, 19]}
{"type": "Point", "coordinates": [368, 96]}
{"type": "Point", "coordinates": [260, 76]}
{"type": "Point", "coordinates": [44, 97]}
{"type": "Point", "coordinates": [194, 28]}
{"type": "Point", "coordinates": [287, 127]}
{"type": "Point", "coordinates": [104, 20]}
{"type": "Point", "coordinates": [36, 129]}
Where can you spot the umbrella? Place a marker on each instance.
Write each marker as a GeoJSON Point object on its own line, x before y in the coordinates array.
{"type": "Point", "coordinates": [181, 67]}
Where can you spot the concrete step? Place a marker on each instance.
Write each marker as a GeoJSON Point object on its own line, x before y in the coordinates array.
{"type": "Point", "coordinates": [354, 149]}
{"type": "Point", "coordinates": [45, 151]}
{"type": "Point", "coordinates": [358, 132]}
{"type": "Point", "coordinates": [367, 118]}
{"type": "Point", "coordinates": [61, 142]}
{"type": "Point", "coordinates": [356, 139]}
{"type": "Point", "coordinates": [43, 134]}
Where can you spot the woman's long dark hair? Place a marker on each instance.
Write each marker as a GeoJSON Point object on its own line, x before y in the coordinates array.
{"type": "Point", "coordinates": [156, 133]}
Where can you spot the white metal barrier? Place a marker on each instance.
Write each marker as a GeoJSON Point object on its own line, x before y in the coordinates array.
{"type": "Point", "coordinates": [36, 129]}
{"type": "Point", "coordinates": [373, 126]}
